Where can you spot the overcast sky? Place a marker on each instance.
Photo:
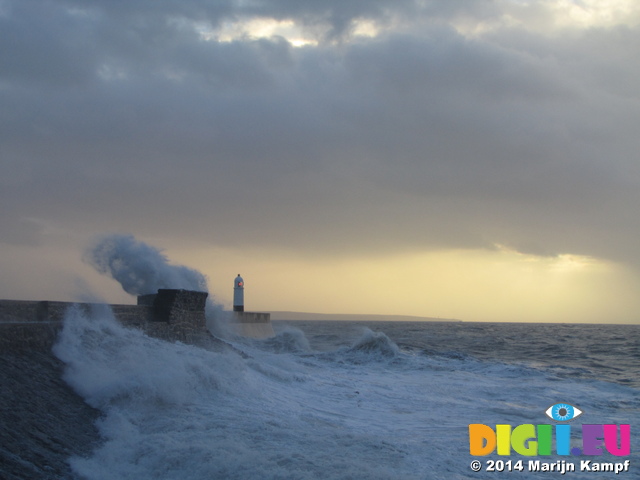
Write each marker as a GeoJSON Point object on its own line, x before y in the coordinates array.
{"type": "Point", "coordinates": [466, 145]}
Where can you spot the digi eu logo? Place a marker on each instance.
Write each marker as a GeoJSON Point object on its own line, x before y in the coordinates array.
{"type": "Point", "coordinates": [530, 440]}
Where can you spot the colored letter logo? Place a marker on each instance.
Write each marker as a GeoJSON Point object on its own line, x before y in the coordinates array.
{"type": "Point", "coordinates": [530, 440]}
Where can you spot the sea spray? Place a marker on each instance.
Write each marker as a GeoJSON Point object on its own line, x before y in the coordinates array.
{"type": "Point", "coordinates": [143, 269]}
{"type": "Point", "coordinates": [107, 361]}
{"type": "Point", "coordinates": [140, 268]}
{"type": "Point", "coordinates": [153, 395]}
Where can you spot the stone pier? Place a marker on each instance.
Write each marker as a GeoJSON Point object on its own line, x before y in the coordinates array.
{"type": "Point", "coordinates": [252, 324]}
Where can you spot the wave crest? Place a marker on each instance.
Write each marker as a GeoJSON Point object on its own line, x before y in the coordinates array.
{"type": "Point", "coordinates": [375, 343]}
{"type": "Point", "coordinates": [107, 362]}
{"type": "Point", "coordinates": [289, 340]}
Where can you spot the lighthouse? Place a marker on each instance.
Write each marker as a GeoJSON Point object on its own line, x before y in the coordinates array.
{"type": "Point", "coordinates": [238, 294]}
{"type": "Point", "coordinates": [248, 324]}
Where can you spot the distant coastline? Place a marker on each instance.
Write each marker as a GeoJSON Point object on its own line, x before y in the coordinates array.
{"type": "Point", "coordinates": [290, 316]}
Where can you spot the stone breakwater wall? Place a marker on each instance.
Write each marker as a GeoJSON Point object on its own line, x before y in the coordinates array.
{"type": "Point", "coordinates": [252, 324]}
{"type": "Point", "coordinates": [173, 315]}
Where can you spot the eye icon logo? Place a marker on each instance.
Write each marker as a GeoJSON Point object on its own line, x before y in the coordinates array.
{"type": "Point", "coordinates": [563, 412]}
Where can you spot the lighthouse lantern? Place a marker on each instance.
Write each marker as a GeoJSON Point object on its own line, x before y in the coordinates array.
{"type": "Point", "coordinates": [238, 294]}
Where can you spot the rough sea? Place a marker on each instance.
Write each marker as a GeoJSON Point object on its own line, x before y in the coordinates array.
{"type": "Point", "coordinates": [346, 400]}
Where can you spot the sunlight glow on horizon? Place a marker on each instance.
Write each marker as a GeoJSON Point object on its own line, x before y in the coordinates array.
{"type": "Point", "coordinates": [470, 285]}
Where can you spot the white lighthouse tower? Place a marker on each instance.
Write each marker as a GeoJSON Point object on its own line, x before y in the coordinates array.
{"type": "Point", "coordinates": [238, 294]}
{"type": "Point", "coordinates": [248, 324]}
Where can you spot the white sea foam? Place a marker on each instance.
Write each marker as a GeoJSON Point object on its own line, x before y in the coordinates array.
{"type": "Point", "coordinates": [282, 411]}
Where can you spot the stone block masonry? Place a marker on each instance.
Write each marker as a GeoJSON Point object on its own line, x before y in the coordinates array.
{"type": "Point", "coordinates": [252, 324]}
{"type": "Point", "coordinates": [173, 315]}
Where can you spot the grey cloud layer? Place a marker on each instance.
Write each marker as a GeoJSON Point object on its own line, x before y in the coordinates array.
{"type": "Point", "coordinates": [118, 115]}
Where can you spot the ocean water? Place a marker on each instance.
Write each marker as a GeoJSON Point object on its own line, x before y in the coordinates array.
{"type": "Point", "coordinates": [342, 400]}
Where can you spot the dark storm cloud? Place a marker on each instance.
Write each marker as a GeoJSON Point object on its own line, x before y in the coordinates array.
{"type": "Point", "coordinates": [121, 116]}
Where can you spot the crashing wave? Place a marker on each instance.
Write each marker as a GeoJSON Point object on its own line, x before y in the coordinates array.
{"type": "Point", "coordinates": [375, 343]}
{"type": "Point", "coordinates": [289, 340]}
